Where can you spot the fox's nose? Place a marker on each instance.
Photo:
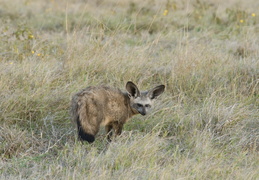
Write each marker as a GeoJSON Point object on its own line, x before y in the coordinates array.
{"type": "Point", "coordinates": [143, 113]}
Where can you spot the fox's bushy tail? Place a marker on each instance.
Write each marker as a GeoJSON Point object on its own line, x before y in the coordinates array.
{"type": "Point", "coordinates": [82, 135]}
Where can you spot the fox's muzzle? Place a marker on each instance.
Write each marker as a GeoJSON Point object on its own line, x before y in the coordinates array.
{"type": "Point", "coordinates": [142, 112]}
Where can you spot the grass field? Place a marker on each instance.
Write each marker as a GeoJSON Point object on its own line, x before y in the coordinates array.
{"type": "Point", "coordinates": [206, 52]}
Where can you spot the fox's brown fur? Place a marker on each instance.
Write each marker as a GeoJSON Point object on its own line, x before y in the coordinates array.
{"type": "Point", "coordinates": [110, 107]}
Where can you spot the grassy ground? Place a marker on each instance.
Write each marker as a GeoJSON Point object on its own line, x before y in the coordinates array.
{"type": "Point", "coordinates": [206, 124]}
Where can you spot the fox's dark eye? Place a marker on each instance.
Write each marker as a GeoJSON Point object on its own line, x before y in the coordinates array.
{"type": "Point", "coordinates": [139, 105]}
{"type": "Point", "coordinates": [147, 106]}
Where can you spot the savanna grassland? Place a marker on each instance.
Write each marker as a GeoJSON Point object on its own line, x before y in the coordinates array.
{"type": "Point", "coordinates": [206, 52]}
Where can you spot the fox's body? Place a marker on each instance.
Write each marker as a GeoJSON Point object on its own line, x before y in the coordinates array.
{"type": "Point", "coordinates": [110, 107]}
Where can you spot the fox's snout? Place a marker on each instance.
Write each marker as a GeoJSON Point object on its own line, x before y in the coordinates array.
{"type": "Point", "coordinates": [143, 113]}
{"type": "Point", "coordinates": [141, 109]}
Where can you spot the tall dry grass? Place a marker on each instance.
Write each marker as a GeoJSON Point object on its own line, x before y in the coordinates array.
{"type": "Point", "coordinates": [205, 126]}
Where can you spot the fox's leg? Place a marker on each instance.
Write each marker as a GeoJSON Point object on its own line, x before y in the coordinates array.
{"type": "Point", "coordinates": [117, 126]}
{"type": "Point", "coordinates": [108, 130]}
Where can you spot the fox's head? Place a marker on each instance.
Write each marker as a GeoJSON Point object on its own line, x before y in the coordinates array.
{"type": "Point", "coordinates": [142, 102]}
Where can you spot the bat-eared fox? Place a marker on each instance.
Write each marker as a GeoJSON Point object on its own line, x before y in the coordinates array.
{"type": "Point", "coordinates": [109, 107]}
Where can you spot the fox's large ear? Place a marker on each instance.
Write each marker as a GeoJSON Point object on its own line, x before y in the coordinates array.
{"type": "Point", "coordinates": [132, 89]}
{"type": "Point", "coordinates": [155, 92]}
